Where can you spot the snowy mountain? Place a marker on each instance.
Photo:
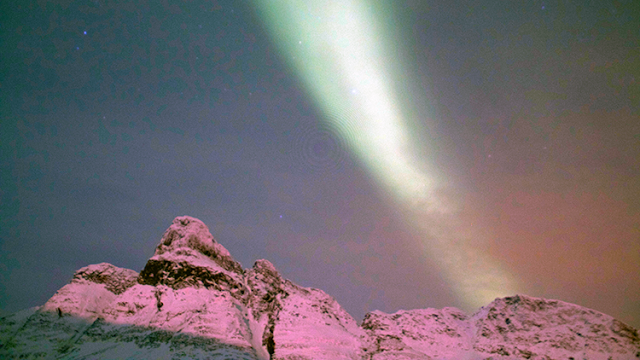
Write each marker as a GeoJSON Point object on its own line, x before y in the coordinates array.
{"type": "Point", "coordinates": [193, 300]}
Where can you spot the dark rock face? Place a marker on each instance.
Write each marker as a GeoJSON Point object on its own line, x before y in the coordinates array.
{"type": "Point", "coordinates": [115, 279]}
{"type": "Point", "coordinates": [267, 290]}
{"type": "Point", "coordinates": [179, 275]}
{"type": "Point", "coordinates": [623, 330]}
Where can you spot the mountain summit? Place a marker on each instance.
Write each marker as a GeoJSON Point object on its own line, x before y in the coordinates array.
{"type": "Point", "coordinates": [193, 300]}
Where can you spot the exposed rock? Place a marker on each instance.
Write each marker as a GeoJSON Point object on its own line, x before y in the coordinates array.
{"type": "Point", "coordinates": [190, 233]}
{"type": "Point", "coordinates": [426, 332]}
{"type": "Point", "coordinates": [179, 275]}
{"type": "Point", "coordinates": [189, 256]}
{"type": "Point", "coordinates": [115, 279]}
{"type": "Point", "coordinates": [267, 291]}
{"type": "Point", "coordinates": [524, 326]}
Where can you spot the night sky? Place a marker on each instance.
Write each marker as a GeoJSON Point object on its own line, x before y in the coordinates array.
{"type": "Point", "coordinates": [117, 116]}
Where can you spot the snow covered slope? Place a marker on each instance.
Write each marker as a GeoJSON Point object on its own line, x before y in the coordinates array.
{"type": "Point", "coordinates": [193, 300]}
{"type": "Point", "coordinates": [418, 334]}
{"type": "Point", "coordinates": [530, 327]}
{"type": "Point", "coordinates": [518, 327]}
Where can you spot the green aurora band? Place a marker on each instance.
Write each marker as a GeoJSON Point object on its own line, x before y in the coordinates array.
{"type": "Point", "coordinates": [339, 50]}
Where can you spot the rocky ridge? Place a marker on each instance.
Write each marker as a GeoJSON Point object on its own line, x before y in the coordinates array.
{"type": "Point", "coordinates": [193, 300]}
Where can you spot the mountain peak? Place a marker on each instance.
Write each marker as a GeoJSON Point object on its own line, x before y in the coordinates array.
{"type": "Point", "coordinates": [266, 267]}
{"type": "Point", "coordinates": [189, 232]}
{"type": "Point", "coordinates": [189, 256]}
{"type": "Point", "coordinates": [188, 237]}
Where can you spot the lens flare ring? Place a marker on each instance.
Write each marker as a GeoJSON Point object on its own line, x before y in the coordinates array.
{"type": "Point", "coordinates": [318, 147]}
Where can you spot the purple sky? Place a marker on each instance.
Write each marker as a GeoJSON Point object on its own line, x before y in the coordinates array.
{"type": "Point", "coordinates": [116, 117]}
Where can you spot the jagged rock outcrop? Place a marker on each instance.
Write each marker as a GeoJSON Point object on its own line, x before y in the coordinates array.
{"type": "Point", "coordinates": [417, 334]}
{"type": "Point", "coordinates": [312, 325]}
{"type": "Point", "coordinates": [267, 292]}
{"type": "Point", "coordinates": [300, 323]}
{"type": "Point", "coordinates": [193, 300]}
{"type": "Point", "coordinates": [526, 327]}
{"type": "Point", "coordinates": [115, 279]}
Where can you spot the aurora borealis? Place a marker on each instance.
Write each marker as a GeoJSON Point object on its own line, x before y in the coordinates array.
{"type": "Point", "coordinates": [339, 50]}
